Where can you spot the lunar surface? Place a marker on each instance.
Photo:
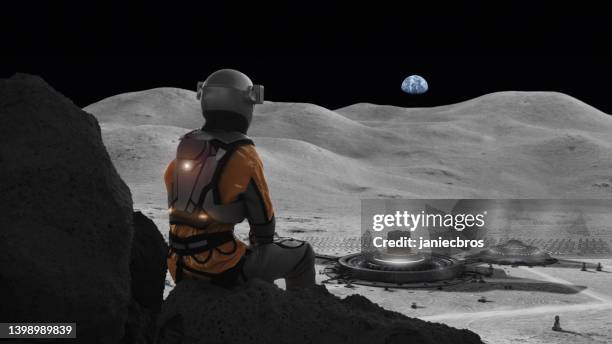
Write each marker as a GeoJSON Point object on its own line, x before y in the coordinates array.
{"type": "Point", "coordinates": [319, 164]}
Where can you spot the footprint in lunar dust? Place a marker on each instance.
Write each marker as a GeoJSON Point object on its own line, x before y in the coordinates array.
{"type": "Point", "coordinates": [303, 230]}
{"type": "Point", "coordinates": [388, 196]}
{"type": "Point", "coordinates": [297, 219]}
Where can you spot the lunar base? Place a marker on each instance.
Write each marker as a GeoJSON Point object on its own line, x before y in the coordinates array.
{"type": "Point", "coordinates": [414, 270]}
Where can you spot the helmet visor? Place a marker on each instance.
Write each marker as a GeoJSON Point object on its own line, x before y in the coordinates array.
{"type": "Point", "coordinates": [254, 94]}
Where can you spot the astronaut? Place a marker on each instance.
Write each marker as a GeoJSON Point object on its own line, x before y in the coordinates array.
{"type": "Point", "coordinates": [215, 182]}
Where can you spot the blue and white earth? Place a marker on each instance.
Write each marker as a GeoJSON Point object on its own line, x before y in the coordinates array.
{"type": "Point", "coordinates": [415, 84]}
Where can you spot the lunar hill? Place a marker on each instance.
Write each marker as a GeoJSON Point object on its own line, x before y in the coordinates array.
{"type": "Point", "coordinates": [319, 161]}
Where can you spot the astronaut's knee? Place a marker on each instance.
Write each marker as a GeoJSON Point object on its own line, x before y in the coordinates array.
{"type": "Point", "coordinates": [309, 254]}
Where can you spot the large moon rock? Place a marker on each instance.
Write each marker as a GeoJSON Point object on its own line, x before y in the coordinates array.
{"type": "Point", "coordinates": [259, 312]}
{"type": "Point", "coordinates": [66, 225]}
{"type": "Point", "coordinates": [148, 271]}
{"type": "Point", "coordinates": [148, 263]}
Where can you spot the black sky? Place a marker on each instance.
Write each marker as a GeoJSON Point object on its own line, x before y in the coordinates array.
{"type": "Point", "coordinates": [334, 56]}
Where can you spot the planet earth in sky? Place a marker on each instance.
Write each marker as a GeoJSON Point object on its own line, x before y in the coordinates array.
{"type": "Point", "coordinates": [415, 84]}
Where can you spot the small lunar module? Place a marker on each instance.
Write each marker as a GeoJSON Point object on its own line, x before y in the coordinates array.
{"type": "Point", "coordinates": [514, 252]}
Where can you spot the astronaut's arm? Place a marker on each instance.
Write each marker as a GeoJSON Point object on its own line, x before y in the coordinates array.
{"type": "Point", "coordinates": [259, 210]}
{"type": "Point", "coordinates": [168, 175]}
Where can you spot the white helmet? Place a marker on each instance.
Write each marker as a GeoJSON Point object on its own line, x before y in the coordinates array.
{"type": "Point", "coordinates": [227, 97]}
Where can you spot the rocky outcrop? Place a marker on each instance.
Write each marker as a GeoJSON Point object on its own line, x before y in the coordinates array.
{"type": "Point", "coordinates": [148, 272]}
{"type": "Point", "coordinates": [148, 263]}
{"type": "Point", "coordinates": [66, 225]}
{"type": "Point", "coordinates": [259, 312]}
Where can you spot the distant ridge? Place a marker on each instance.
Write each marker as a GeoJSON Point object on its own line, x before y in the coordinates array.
{"type": "Point", "coordinates": [500, 145]}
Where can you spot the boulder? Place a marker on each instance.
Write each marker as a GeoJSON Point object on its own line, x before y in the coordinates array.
{"type": "Point", "coordinates": [260, 312]}
{"type": "Point", "coordinates": [148, 271]}
{"type": "Point", "coordinates": [66, 226]}
{"type": "Point", "coordinates": [148, 263]}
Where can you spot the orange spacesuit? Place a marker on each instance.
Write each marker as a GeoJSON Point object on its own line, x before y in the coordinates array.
{"type": "Point", "coordinates": [242, 170]}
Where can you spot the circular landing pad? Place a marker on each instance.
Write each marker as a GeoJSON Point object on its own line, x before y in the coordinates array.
{"type": "Point", "coordinates": [409, 272]}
